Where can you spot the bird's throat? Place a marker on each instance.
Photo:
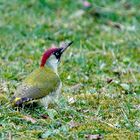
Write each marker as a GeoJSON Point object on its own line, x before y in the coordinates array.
{"type": "Point", "coordinates": [53, 65]}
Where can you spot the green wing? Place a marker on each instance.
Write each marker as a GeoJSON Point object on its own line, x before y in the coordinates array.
{"type": "Point", "coordinates": [38, 84]}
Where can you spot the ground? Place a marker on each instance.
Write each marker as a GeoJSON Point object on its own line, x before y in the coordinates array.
{"type": "Point", "coordinates": [100, 71]}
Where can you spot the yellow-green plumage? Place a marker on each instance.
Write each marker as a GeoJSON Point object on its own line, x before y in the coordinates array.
{"type": "Point", "coordinates": [43, 83]}
{"type": "Point", "coordinates": [37, 85]}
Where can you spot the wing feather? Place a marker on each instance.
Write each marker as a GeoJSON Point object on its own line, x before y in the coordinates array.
{"type": "Point", "coordinates": [38, 84]}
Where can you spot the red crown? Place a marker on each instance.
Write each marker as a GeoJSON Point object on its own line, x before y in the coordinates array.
{"type": "Point", "coordinates": [46, 55]}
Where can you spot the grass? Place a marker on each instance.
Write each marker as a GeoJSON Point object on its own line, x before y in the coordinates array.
{"type": "Point", "coordinates": [100, 72]}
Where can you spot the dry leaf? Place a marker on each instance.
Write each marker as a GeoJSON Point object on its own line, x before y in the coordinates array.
{"type": "Point", "coordinates": [73, 124]}
{"type": "Point", "coordinates": [44, 116]}
{"type": "Point", "coordinates": [1, 126]}
{"type": "Point", "coordinates": [115, 25]}
{"type": "Point", "coordinates": [94, 137]}
{"type": "Point", "coordinates": [77, 14]}
{"type": "Point", "coordinates": [76, 87]}
{"type": "Point", "coordinates": [109, 80]}
{"type": "Point", "coordinates": [86, 4]}
{"type": "Point", "coordinates": [127, 5]}
{"type": "Point", "coordinates": [71, 100]}
{"type": "Point", "coordinates": [29, 118]}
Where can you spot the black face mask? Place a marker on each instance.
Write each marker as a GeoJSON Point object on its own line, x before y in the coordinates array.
{"type": "Point", "coordinates": [58, 53]}
{"type": "Point", "coordinates": [60, 50]}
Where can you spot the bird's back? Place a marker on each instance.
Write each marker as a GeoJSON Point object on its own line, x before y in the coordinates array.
{"type": "Point", "coordinates": [38, 84]}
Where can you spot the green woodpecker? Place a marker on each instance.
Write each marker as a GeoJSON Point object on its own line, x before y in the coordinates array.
{"type": "Point", "coordinates": [42, 84]}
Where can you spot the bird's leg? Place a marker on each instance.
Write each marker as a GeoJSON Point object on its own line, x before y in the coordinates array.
{"type": "Point", "coordinates": [49, 100]}
{"type": "Point", "coordinates": [57, 94]}
{"type": "Point", "coordinates": [46, 101]}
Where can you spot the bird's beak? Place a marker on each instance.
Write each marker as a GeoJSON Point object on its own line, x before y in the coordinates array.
{"type": "Point", "coordinates": [65, 46]}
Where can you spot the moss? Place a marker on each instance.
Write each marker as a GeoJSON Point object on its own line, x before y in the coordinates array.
{"type": "Point", "coordinates": [104, 60]}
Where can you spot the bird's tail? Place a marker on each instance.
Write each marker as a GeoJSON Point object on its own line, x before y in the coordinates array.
{"type": "Point", "coordinates": [17, 101]}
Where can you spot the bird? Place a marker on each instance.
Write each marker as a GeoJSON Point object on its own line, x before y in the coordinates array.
{"type": "Point", "coordinates": [44, 83]}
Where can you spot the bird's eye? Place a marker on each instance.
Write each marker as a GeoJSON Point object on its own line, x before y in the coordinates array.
{"type": "Point", "coordinates": [56, 53]}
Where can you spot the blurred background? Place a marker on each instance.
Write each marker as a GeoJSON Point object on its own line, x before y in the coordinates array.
{"type": "Point", "coordinates": [100, 71]}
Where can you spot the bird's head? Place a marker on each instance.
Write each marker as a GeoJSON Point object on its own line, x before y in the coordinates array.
{"type": "Point", "coordinates": [52, 56]}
